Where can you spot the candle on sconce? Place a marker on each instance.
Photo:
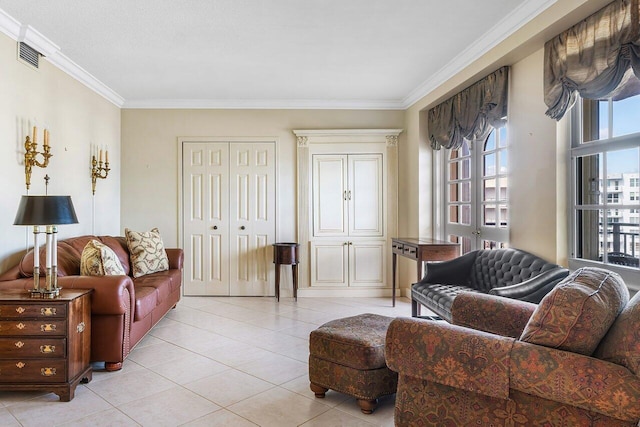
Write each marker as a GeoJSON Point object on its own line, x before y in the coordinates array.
{"type": "Point", "coordinates": [106, 156]}
{"type": "Point", "coordinates": [35, 132]}
{"type": "Point", "coordinates": [101, 155]}
{"type": "Point", "coordinates": [46, 138]}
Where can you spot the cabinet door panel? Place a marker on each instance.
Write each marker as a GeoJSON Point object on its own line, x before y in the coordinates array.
{"type": "Point", "coordinates": [365, 195]}
{"type": "Point", "coordinates": [329, 264]}
{"type": "Point", "coordinates": [367, 263]}
{"type": "Point", "coordinates": [329, 195]}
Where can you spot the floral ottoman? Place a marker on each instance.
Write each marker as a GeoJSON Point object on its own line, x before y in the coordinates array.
{"type": "Point", "coordinates": [347, 355]}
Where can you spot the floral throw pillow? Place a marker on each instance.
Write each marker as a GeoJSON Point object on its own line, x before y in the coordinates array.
{"type": "Point", "coordinates": [146, 252]}
{"type": "Point", "coordinates": [98, 259]}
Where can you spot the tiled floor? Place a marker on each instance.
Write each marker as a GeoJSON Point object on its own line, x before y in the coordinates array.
{"type": "Point", "coordinates": [215, 362]}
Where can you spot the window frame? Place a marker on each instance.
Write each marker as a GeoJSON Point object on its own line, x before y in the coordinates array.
{"type": "Point", "coordinates": [631, 275]}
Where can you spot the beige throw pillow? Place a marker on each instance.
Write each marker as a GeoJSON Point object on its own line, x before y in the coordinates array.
{"type": "Point", "coordinates": [146, 252]}
{"type": "Point", "coordinates": [98, 259]}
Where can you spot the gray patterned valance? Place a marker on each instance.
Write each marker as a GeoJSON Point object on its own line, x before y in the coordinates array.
{"type": "Point", "coordinates": [470, 114]}
{"type": "Point", "coordinates": [596, 58]}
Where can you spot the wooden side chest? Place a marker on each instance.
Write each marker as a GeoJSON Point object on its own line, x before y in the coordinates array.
{"type": "Point", "coordinates": [45, 344]}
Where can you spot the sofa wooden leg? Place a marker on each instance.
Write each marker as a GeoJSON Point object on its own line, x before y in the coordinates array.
{"type": "Point", "coordinates": [367, 406]}
{"type": "Point", "coordinates": [318, 390]}
{"type": "Point", "coordinates": [112, 366]}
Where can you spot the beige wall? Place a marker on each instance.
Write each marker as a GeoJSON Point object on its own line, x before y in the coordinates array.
{"type": "Point", "coordinates": [150, 156]}
{"type": "Point", "coordinates": [76, 117]}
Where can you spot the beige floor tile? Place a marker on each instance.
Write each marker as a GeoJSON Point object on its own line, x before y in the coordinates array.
{"type": "Point", "coordinates": [383, 415]}
{"type": "Point", "coordinates": [100, 374]}
{"type": "Point", "coordinates": [126, 388]}
{"type": "Point", "coordinates": [8, 420]}
{"type": "Point", "coordinates": [236, 354]}
{"type": "Point", "coordinates": [278, 408]}
{"type": "Point", "coordinates": [300, 385]}
{"type": "Point", "coordinates": [156, 354]}
{"type": "Point", "coordinates": [221, 418]}
{"type": "Point", "coordinates": [189, 368]}
{"type": "Point", "coordinates": [275, 368]}
{"type": "Point", "coordinates": [109, 418]}
{"type": "Point", "coordinates": [229, 387]}
{"type": "Point", "coordinates": [334, 418]}
{"type": "Point", "coordinates": [169, 408]}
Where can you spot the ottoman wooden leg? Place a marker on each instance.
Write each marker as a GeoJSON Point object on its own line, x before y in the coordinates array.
{"type": "Point", "coordinates": [367, 406]}
{"type": "Point", "coordinates": [318, 390]}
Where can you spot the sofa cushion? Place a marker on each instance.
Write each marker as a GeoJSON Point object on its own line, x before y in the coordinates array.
{"type": "Point", "coordinates": [147, 252]}
{"type": "Point", "coordinates": [578, 312]}
{"type": "Point", "coordinates": [146, 301]}
{"type": "Point", "coordinates": [621, 345]}
{"type": "Point", "coordinates": [98, 259]}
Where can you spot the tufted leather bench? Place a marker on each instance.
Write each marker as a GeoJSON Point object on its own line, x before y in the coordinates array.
{"type": "Point", "coordinates": [510, 273]}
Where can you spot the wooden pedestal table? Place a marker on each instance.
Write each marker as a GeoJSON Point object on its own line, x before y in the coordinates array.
{"type": "Point", "coordinates": [421, 249]}
{"type": "Point", "coordinates": [286, 253]}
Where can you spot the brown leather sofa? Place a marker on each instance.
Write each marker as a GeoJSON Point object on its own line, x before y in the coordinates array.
{"type": "Point", "coordinates": [123, 308]}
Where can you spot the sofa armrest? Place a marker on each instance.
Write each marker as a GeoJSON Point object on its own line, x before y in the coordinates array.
{"type": "Point", "coordinates": [451, 355]}
{"type": "Point", "coordinates": [490, 313]}
{"type": "Point", "coordinates": [176, 258]}
{"type": "Point", "coordinates": [535, 288]}
{"type": "Point", "coordinates": [110, 293]}
{"type": "Point", "coordinates": [577, 380]}
{"type": "Point", "coordinates": [452, 272]}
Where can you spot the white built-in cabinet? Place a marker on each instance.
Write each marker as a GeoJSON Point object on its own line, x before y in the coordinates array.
{"type": "Point", "coordinates": [347, 198]}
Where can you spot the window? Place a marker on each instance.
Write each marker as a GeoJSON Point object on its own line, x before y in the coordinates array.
{"type": "Point", "coordinates": [476, 196]}
{"type": "Point", "coordinates": [605, 166]}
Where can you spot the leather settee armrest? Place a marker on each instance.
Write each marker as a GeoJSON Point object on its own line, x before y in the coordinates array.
{"type": "Point", "coordinates": [451, 355]}
{"type": "Point", "coordinates": [176, 258]}
{"type": "Point", "coordinates": [577, 380]}
{"type": "Point", "coordinates": [110, 293]}
{"type": "Point", "coordinates": [452, 272]}
{"type": "Point", "coordinates": [546, 280]}
{"type": "Point", "coordinates": [490, 313]}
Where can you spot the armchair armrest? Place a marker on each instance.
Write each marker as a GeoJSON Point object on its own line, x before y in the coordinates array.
{"type": "Point", "coordinates": [493, 314]}
{"type": "Point", "coordinates": [577, 380]}
{"type": "Point", "coordinates": [452, 272]}
{"type": "Point", "coordinates": [544, 281]}
{"type": "Point", "coordinates": [451, 355]}
{"type": "Point", "coordinates": [176, 258]}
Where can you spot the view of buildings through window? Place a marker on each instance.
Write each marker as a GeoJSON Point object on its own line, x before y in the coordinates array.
{"type": "Point", "coordinates": [607, 182]}
{"type": "Point", "coordinates": [476, 198]}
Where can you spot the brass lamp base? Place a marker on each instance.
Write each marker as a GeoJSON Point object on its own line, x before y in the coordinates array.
{"type": "Point", "coordinates": [45, 294]}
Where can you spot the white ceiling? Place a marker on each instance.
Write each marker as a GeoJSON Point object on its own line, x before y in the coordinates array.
{"type": "Point", "coordinates": [264, 53]}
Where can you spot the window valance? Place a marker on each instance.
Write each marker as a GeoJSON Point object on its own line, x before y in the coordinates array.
{"type": "Point", "coordinates": [596, 58]}
{"type": "Point", "coordinates": [470, 114]}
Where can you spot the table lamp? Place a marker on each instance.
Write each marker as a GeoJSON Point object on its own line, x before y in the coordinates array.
{"type": "Point", "coordinates": [48, 211]}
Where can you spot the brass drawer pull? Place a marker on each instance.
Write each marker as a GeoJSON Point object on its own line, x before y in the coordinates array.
{"type": "Point", "coordinates": [19, 344]}
{"type": "Point", "coordinates": [20, 310]}
{"type": "Point", "coordinates": [48, 327]}
{"type": "Point", "coordinates": [47, 349]}
{"type": "Point", "coordinates": [21, 365]}
{"type": "Point", "coordinates": [48, 311]}
{"type": "Point", "coordinates": [47, 372]}
{"type": "Point", "coordinates": [80, 327]}
{"type": "Point", "coordinates": [21, 326]}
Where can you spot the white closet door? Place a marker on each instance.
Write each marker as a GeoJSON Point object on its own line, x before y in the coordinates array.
{"type": "Point", "coordinates": [252, 218]}
{"type": "Point", "coordinates": [206, 219]}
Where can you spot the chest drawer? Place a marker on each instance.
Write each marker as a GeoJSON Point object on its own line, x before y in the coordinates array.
{"type": "Point", "coordinates": [32, 347]}
{"type": "Point", "coordinates": [31, 311]}
{"type": "Point", "coordinates": [410, 251]}
{"type": "Point", "coordinates": [397, 248]}
{"type": "Point", "coordinates": [30, 370]}
{"type": "Point", "coordinates": [33, 327]}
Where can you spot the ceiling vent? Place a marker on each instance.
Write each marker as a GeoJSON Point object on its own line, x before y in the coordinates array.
{"type": "Point", "coordinates": [28, 55]}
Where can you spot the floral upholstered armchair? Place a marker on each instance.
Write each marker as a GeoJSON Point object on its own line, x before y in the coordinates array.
{"type": "Point", "coordinates": [573, 360]}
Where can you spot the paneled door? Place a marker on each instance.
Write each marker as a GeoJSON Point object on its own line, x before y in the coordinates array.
{"type": "Point", "coordinates": [228, 218]}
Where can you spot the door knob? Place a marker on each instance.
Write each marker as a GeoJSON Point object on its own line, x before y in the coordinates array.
{"type": "Point", "coordinates": [242, 227]}
{"type": "Point", "coordinates": [215, 227]}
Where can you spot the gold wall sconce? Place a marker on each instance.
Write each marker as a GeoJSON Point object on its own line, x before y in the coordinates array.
{"type": "Point", "coordinates": [99, 171]}
{"type": "Point", "coordinates": [31, 154]}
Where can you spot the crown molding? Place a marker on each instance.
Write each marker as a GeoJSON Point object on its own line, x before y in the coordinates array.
{"type": "Point", "coordinates": [265, 104]}
{"type": "Point", "coordinates": [52, 53]}
{"type": "Point", "coordinates": [499, 32]}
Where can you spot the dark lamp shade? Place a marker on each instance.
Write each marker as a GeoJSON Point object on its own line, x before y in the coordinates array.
{"type": "Point", "coordinates": [45, 210]}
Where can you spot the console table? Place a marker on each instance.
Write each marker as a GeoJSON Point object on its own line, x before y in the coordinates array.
{"type": "Point", "coordinates": [421, 249]}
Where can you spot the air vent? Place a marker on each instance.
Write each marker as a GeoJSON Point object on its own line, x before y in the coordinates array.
{"type": "Point", "coordinates": [28, 54]}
